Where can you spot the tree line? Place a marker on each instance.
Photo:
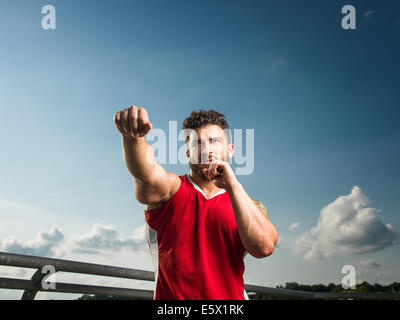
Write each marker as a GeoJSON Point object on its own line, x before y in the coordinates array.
{"type": "Point", "coordinates": [331, 287]}
{"type": "Point", "coordinates": [361, 287]}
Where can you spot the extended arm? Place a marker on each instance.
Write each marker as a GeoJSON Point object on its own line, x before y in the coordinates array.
{"type": "Point", "coordinates": [152, 183]}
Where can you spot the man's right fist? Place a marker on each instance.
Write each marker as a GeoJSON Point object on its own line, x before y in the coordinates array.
{"type": "Point", "coordinates": [133, 122]}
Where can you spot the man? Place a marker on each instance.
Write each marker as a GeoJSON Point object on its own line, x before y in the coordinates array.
{"type": "Point", "coordinates": [199, 225]}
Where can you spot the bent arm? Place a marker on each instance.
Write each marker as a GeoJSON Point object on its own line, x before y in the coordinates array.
{"type": "Point", "coordinates": [258, 235]}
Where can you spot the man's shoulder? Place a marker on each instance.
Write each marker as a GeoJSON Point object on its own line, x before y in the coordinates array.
{"type": "Point", "coordinates": [261, 206]}
{"type": "Point", "coordinates": [175, 182]}
{"type": "Point", "coordinates": [173, 175]}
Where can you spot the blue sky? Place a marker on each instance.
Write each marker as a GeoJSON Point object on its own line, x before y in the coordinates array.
{"type": "Point", "coordinates": [323, 103]}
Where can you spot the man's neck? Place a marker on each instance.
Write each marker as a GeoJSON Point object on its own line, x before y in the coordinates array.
{"type": "Point", "coordinates": [208, 187]}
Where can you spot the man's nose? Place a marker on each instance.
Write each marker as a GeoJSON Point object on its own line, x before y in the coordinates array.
{"type": "Point", "coordinates": [206, 151]}
{"type": "Point", "coordinates": [205, 147]}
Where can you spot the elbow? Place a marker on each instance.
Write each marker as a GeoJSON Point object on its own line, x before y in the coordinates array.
{"type": "Point", "coordinates": [264, 244]}
{"type": "Point", "coordinates": [268, 245]}
{"type": "Point", "coordinates": [264, 250]}
{"type": "Point", "coordinates": [267, 250]}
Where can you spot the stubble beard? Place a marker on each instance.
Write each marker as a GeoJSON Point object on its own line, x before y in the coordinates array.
{"type": "Point", "coordinates": [198, 170]}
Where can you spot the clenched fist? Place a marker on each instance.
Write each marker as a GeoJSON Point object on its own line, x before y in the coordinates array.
{"type": "Point", "coordinates": [221, 173]}
{"type": "Point", "coordinates": [133, 122]}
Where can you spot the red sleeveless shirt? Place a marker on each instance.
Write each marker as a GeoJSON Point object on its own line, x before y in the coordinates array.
{"type": "Point", "coordinates": [196, 247]}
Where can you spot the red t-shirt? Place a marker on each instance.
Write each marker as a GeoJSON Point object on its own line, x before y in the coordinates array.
{"type": "Point", "coordinates": [196, 247]}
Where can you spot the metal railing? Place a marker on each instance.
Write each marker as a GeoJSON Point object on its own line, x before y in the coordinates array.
{"type": "Point", "coordinates": [34, 285]}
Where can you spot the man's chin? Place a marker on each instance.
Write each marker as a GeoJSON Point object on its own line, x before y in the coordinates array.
{"type": "Point", "coordinates": [198, 169]}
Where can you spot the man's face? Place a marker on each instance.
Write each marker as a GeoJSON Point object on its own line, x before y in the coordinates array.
{"type": "Point", "coordinates": [205, 144]}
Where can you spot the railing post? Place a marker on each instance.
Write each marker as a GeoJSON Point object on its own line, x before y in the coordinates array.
{"type": "Point", "coordinates": [37, 279]}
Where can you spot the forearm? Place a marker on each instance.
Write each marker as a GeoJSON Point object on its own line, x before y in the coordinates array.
{"type": "Point", "coordinates": [257, 233]}
{"type": "Point", "coordinates": [139, 157]}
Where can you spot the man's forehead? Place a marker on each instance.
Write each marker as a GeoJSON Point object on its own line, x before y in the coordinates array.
{"type": "Point", "coordinates": [206, 135]}
{"type": "Point", "coordinates": [210, 130]}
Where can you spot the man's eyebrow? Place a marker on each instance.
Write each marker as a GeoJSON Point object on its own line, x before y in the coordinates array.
{"type": "Point", "coordinates": [209, 138]}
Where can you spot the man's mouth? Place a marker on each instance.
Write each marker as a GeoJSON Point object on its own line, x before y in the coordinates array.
{"type": "Point", "coordinates": [208, 160]}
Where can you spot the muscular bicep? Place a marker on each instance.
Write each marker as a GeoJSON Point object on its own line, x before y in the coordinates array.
{"type": "Point", "coordinates": [160, 187]}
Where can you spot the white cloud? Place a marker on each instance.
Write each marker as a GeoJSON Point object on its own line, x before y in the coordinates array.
{"type": "Point", "coordinates": [294, 225]}
{"type": "Point", "coordinates": [99, 240]}
{"type": "Point", "coordinates": [105, 238]}
{"type": "Point", "coordinates": [370, 264]}
{"type": "Point", "coordinates": [370, 271]}
{"type": "Point", "coordinates": [46, 244]}
{"type": "Point", "coordinates": [139, 234]}
{"type": "Point", "coordinates": [345, 227]}
{"type": "Point", "coordinates": [15, 272]}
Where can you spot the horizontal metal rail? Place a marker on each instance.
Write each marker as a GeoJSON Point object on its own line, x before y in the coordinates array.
{"type": "Point", "coordinates": [34, 285]}
{"type": "Point", "coordinates": [20, 284]}
{"type": "Point", "coordinates": [279, 292]}
{"type": "Point", "coordinates": [24, 261]}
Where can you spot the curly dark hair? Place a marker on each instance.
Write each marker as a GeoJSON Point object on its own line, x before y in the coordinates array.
{"type": "Point", "coordinates": [200, 118]}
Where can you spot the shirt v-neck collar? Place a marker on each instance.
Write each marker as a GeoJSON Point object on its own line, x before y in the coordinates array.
{"type": "Point", "coordinates": [197, 187]}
